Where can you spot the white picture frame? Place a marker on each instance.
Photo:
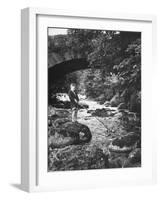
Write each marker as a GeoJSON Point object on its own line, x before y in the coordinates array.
{"type": "Point", "coordinates": [32, 73]}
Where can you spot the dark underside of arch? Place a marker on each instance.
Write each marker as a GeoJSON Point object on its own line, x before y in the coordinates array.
{"type": "Point", "coordinates": [59, 70]}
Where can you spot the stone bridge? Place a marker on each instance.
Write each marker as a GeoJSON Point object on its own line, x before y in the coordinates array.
{"type": "Point", "coordinates": [59, 66]}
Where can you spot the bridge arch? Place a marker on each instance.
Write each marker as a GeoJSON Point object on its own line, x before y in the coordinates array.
{"type": "Point", "coordinates": [59, 70]}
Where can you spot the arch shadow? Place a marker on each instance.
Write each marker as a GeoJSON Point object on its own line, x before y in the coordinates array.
{"type": "Point", "coordinates": [59, 70]}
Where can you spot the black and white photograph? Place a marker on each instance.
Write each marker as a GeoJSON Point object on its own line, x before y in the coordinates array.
{"type": "Point", "coordinates": [94, 99]}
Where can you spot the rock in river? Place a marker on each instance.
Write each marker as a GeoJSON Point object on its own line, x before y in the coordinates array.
{"type": "Point", "coordinates": [125, 143]}
{"type": "Point", "coordinates": [100, 112]}
{"type": "Point", "coordinates": [68, 133]}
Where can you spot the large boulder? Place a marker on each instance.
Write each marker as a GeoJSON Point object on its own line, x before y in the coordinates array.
{"type": "Point", "coordinates": [125, 143]}
{"type": "Point", "coordinates": [65, 132]}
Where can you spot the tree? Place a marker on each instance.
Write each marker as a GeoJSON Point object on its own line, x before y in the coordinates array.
{"type": "Point", "coordinates": [114, 58]}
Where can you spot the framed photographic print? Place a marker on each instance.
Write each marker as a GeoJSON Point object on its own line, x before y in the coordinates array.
{"type": "Point", "coordinates": [86, 102]}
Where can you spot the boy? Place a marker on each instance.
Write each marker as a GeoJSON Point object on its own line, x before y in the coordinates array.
{"type": "Point", "coordinates": [74, 100]}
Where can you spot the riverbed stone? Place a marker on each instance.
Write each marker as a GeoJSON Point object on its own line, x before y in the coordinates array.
{"type": "Point", "coordinates": [100, 112]}
{"type": "Point", "coordinates": [125, 143]}
{"type": "Point", "coordinates": [68, 133]}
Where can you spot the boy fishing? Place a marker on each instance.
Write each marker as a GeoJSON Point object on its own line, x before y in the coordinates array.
{"type": "Point", "coordinates": [74, 101]}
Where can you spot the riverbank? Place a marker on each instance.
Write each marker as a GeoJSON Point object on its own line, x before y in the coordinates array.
{"type": "Point", "coordinates": [104, 130]}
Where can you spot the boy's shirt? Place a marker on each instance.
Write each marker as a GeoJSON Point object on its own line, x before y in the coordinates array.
{"type": "Point", "coordinates": [73, 96]}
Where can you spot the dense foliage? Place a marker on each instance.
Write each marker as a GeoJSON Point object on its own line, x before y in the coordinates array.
{"type": "Point", "coordinates": [115, 61]}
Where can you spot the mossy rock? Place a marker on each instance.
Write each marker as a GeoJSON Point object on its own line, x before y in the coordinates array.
{"type": "Point", "coordinates": [125, 143]}
{"type": "Point", "coordinates": [69, 133]}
